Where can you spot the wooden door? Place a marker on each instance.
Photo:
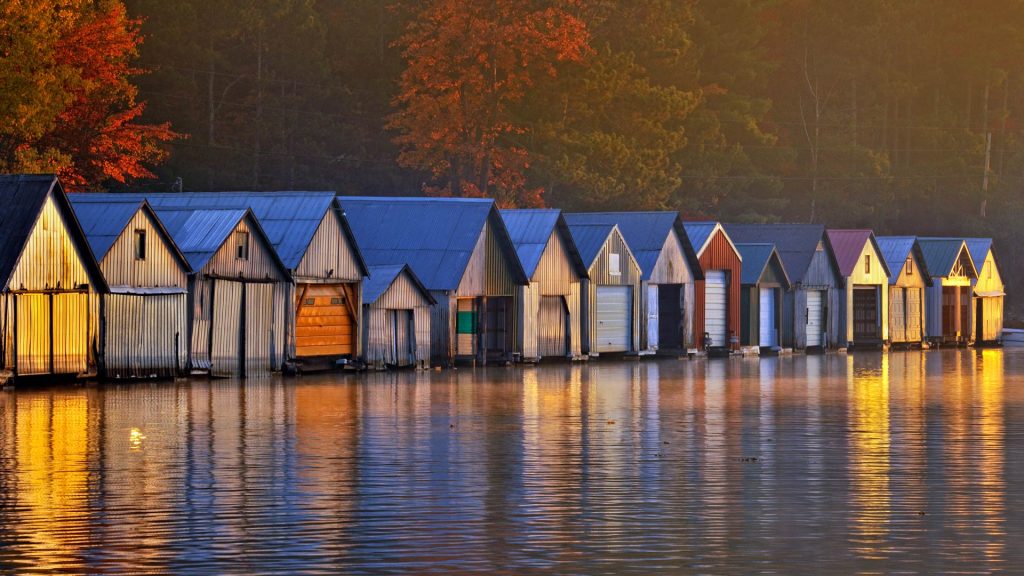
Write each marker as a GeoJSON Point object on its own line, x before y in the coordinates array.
{"type": "Point", "coordinates": [865, 314]}
{"type": "Point", "coordinates": [949, 311]}
{"type": "Point", "coordinates": [897, 314]}
{"type": "Point", "coordinates": [324, 321]}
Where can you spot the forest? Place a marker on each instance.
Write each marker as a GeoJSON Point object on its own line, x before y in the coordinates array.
{"type": "Point", "coordinates": [898, 115]}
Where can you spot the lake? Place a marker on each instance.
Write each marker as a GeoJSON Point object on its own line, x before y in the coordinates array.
{"type": "Point", "coordinates": [872, 462]}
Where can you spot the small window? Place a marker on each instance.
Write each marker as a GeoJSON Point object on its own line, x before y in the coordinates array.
{"type": "Point", "coordinates": [867, 263]}
{"type": "Point", "coordinates": [989, 273]}
{"type": "Point", "coordinates": [337, 301]}
{"type": "Point", "coordinates": [910, 266]}
{"type": "Point", "coordinates": [140, 244]}
{"type": "Point", "coordinates": [310, 302]}
{"type": "Point", "coordinates": [242, 245]}
{"type": "Point", "coordinates": [613, 264]}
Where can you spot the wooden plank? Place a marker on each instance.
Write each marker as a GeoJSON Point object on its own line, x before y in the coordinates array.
{"type": "Point", "coordinates": [323, 321]}
{"type": "Point", "coordinates": [339, 339]}
{"type": "Point", "coordinates": [311, 351]}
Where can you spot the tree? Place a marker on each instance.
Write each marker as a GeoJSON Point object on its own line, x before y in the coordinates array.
{"type": "Point", "coordinates": [74, 110]}
{"type": "Point", "coordinates": [468, 64]}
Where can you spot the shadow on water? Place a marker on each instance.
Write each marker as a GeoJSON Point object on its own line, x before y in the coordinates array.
{"type": "Point", "coordinates": [869, 462]}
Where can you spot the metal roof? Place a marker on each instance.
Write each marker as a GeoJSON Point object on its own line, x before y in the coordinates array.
{"type": "Point", "coordinates": [941, 254]}
{"type": "Point", "coordinates": [589, 239]}
{"type": "Point", "coordinates": [755, 260]}
{"type": "Point", "coordinates": [435, 236]}
{"type": "Point", "coordinates": [382, 277]}
{"type": "Point", "coordinates": [895, 250]}
{"type": "Point", "coordinates": [700, 233]}
{"type": "Point", "coordinates": [645, 232]}
{"type": "Point", "coordinates": [796, 244]}
{"type": "Point", "coordinates": [103, 222]}
{"type": "Point", "coordinates": [530, 231]}
{"type": "Point", "coordinates": [979, 248]}
{"type": "Point", "coordinates": [290, 219]}
{"type": "Point", "coordinates": [847, 246]}
{"type": "Point", "coordinates": [22, 197]}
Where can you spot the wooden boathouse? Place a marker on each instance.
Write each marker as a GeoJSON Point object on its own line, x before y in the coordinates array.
{"type": "Point", "coordinates": [548, 310]}
{"type": "Point", "coordinates": [948, 302]}
{"type": "Point", "coordinates": [716, 321]}
{"type": "Point", "coordinates": [669, 267]}
{"type": "Point", "coordinates": [864, 302]}
{"type": "Point", "coordinates": [909, 281]}
{"type": "Point", "coordinates": [312, 237]}
{"type": "Point", "coordinates": [810, 317]}
{"type": "Point", "coordinates": [989, 292]}
{"type": "Point", "coordinates": [50, 281]}
{"type": "Point", "coordinates": [763, 282]}
{"type": "Point", "coordinates": [611, 292]}
{"type": "Point", "coordinates": [237, 291]}
{"type": "Point", "coordinates": [460, 250]}
{"type": "Point", "coordinates": [143, 328]}
{"type": "Point", "coordinates": [396, 319]}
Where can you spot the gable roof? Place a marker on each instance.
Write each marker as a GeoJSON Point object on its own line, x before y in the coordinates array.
{"type": "Point", "coordinates": [590, 239]}
{"type": "Point", "coordinates": [22, 197]}
{"type": "Point", "coordinates": [645, 232]}
{"type": "Point", "coordinates": [289, 219]}
{"type": "Point", "coordinates": [103, 222]}
{"type": "Point", "coordinates": [941, 254]}
{"type": "Point", "coordinates": [700, 234]}
{"type": "Point", "coordinates": [757, 257]}
{"type": "Point", "coordinates": [382, 277]}
{"type": "Point", "coordinates": [435, 236]}
{"type": "Point", "coordinates": [795, 244]}
{"type": "Point", "coordinates": [979, 249]}
{"type": "Point", "coordinates": [200, 233]}
{"type": "Point", "coordinates": [530, 231]}
{"type": "Point", "coordinates": [847, 246]}
{"type": "Point", "coordinates": [895, 250]}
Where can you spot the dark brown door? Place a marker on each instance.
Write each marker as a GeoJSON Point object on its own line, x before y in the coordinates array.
{"type": "Point", "coordinates": [670, 316]}
{"type": "Point", "coordinates": [865, 314]}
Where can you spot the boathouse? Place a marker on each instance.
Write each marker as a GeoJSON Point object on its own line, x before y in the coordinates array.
{"type": "Point", "coordinates": [763, 282]}
{"type": "Point", "coordinates": [669, 267]}
{"type": "Point", "coordinates": [611, 292]}
{"type": "Point", "coordinates": [396, 316]}
{"type": "Point", "coordinates": [717, 297]}
{"type": "Point", "coordinates": [864, 302]}
{"type": "Point", "coordinates": [948, 302]}
{"type": "Point", "coordinates": [237, 291]}
{"type": "Point", "coordinates": [908, 282]}
{"type": "Point", "coordinates": [811, 308]}
{"type": "Point", "coordinates": [548, 317]}
{"type": "Point", "coordinates": [460, 250]}
{"type": "Point", "coordinates": [50, 281]}
{"type": "Point", "coordinates": [311, 235]}
{"type": "Point", "coordinates": [144, 326]}
{"type": "Point", "coordinates": [988, 293]}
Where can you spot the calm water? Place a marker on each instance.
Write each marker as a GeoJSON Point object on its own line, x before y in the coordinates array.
{"type": "Point", "coordinates": [908, 461]}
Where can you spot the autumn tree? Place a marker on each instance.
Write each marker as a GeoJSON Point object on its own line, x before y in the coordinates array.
{"type": "Point", "coordinates": [468, 64]}
{"type": "Point", "coordinates": [67, 101]}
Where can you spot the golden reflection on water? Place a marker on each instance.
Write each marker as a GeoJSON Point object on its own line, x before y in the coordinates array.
{"type": "Point", "coordinates": [868, 391]}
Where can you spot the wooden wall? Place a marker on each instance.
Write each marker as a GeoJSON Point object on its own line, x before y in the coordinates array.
{"type": "Point", "coordinates": [718, 255]}
{"type": "Point", "coordinates": [989, 280]}
{"type": "Point", "coordinates": [877, 278]}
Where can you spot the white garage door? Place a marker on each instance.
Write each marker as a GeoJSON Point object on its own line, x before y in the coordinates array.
{"type": "Point", "coordinates": [716, 306]}
{"type": "Point", "coordinates": [815, 318]}
{"type": "Point", "coordinates": [614, 315]}
{"type": "Point", "coordinates": [767, 321]}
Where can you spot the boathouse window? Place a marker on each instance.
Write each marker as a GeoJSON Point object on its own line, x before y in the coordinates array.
{"type": "Point", "coordinates": [989, 273]}
{"type": "Point", "coordinates": [242, 245]}
{"type": "Point", "coordinates": [140, 244]}
{"type": "Point", "coordinates": [867, 263]}
{"type": "Point", "coordinates": [613, 264]}
{"type": "Point", "coordinates": [910, 266]}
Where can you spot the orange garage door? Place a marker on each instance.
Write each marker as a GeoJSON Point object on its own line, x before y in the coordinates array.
{"type": "Point", "coordinates": [324, 321]}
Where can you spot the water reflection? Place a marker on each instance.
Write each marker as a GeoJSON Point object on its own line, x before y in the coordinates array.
{"type": "Point", "coordinates": [873, 463]}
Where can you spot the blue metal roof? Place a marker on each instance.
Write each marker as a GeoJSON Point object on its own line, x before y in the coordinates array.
{"type": "Point", "coordinates": [699, 233]}
{"type": "Point", "coordinates": [645, 233]}
{"type": "Point", "coordinates": [103, 222]}
{"type": "Point", "coordinates": [435, 236]}
{"type": "Point", "coordinates": [796, 244]}
{"type": "Point", "coordinates": [199, 233]}
{"type": "Point", "coordinates": [530, 231]}
{"type": "Point", "coordinates": [941, 254]}
{"type": "Point", "coordinates": [290, 219]}
{"type": "Point", "coordinates": [755, 260]}
{"type": "Point", "coordinates": [895, 250]}
{"type": "Point", "coordinates": [979, 248]}
{"type": "Point", "coordinates": [589, 239]}
{"type": "Point", "coordinates": [382, 277]}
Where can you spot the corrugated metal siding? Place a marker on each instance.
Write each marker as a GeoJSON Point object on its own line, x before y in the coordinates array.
{"type": "Point", "coordinates": [329, 250]}
{"type": "Point", "coordinates": [555, 273]}
{"type": "Point", "coordinates": [719, 255]}
{"type": "Point", "coordinates": [527, 319]}
{"type": "Point", "coordinates": [575, 306]}
{"type": "Point", "coordinates": [992, 310]}
{"type": "Point", "coordinates": [49, 258]}
{"type": "Point", "coordinates": [260, 338]}
{"type": "Point", "coordinates": [145, 335]}
{"type": "Point", "coordinates": [600, 275]}
{"type": "Point", "coordinates": [442, 327]}
{"type": "Point", "coordinates": [401, 295]}
{"type": "Point", "coordinates": [421, 318]}
{"type": "Point", "coordinates": [551, 321]}
{"type": "Point", "coordinates": [225, 354]}
{"type": "Point", "coordinates": [671, 266]}
{"type": "Point", "coordinates": [160, 268]}
{"type": "Point", "coordinates": [32, 333]}
{"type": "Point", "coordinates": [259, 266]}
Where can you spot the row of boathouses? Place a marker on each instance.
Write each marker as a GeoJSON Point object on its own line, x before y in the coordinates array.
{"type": "Point", "coordinates": [137, 285]}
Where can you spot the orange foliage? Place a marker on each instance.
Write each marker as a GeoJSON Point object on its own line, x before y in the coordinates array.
{"type": "Point", "coordinates": [468, 62]}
